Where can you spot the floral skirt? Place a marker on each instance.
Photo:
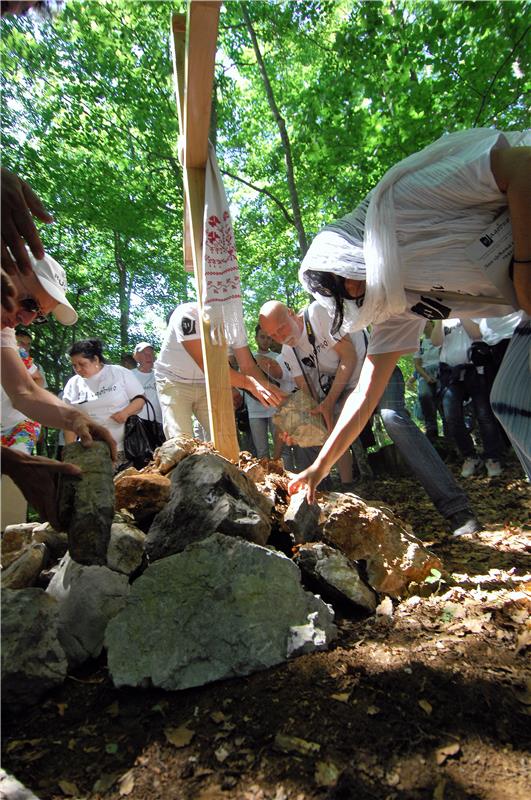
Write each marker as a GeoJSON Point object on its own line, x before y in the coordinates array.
{"type": "Point", "coordinates": [22, 436]}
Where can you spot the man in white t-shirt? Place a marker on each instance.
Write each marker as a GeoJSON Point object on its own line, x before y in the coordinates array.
{"type": "Point", "coordinates": [144, 356]}
{"type": "Point", "coordinates": [181, 381]}
{"type": "Point", "coordinates": [325, 366]}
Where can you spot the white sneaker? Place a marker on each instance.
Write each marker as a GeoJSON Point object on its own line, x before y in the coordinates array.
{"type": "Point", "coordinates": [494, 468]}
{"type": "Point", "coordinates": [470, 466]}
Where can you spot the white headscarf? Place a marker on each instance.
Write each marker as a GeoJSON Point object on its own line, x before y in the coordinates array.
{"type": "Point", "coordinates": [363, 245]}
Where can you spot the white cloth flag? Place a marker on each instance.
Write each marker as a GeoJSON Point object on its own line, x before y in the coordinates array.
{"type": "Point", "coordinates": [222, 300]}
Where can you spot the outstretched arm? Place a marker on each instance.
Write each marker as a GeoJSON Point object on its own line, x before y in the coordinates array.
{"type": "Point", "coordinates": [38, 404]}
{"type": "Point", "coordinates": [360, 404]}
{"type": "Point", "coordinates": [347, 361]}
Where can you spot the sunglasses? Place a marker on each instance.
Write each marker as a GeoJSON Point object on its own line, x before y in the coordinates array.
{"type": "Point", "coordinates": [30, 305]}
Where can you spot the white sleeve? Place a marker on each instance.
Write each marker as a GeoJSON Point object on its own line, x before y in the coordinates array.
{"type": "Point", "coordinates": [8, 339]}
{"type": "Point", "coordinates": [398, 333]}
{"type": "Point", "coordinates": [133, 387]}
{"type": "Point", "coordinates": [71, 391]}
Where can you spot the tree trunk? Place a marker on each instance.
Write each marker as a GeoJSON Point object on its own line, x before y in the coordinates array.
{"type": "Point", "coordinates": [124, 293]}
{"type": "Point", "coordinates": [286, 145]}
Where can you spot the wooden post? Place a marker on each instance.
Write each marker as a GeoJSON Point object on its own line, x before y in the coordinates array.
{"type": "Point", "coordinates": [194, 51]}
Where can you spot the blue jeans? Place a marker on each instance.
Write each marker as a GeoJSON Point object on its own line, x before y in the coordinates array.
{"type": "Point", "coordinates": [418, 452]}
{"type": "Point", "coordinates": [259, 427]}
{"type": "Point", "coordinates": [427, 394]}
{"type": "Point", "coordinates": [475, 385]}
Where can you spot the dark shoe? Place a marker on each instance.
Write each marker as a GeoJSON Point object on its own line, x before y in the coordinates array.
{"type": "Point", "coordinates": [463, 523]}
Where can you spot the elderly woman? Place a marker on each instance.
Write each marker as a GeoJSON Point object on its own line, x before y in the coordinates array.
{"type": "Point", "coordinates": [409, 253]}
{"type": "Point", "coordinates": [108, 393]}
{"type": "Point", "coordinates": [34, 295]}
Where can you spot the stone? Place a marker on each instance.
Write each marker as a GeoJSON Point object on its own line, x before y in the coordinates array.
{"type": "Point", "coordinates": [126, 548]}
{"type": "Point", "coordinates": [11, 789]}
{"type": "Point", "coordinates": [209, 494]}
{"type": "Point", "coordinates": [334, 576]}
{"type": "Point", "coordinates": [143, 495]}
{"type": "Point", "coordinates": [15, 537]}
{"type": "Point", "coordinates": [25, 570]}
{"type": "Point", "coordinates": [86, 505]}
{"type": "Point", "coordinates": [33, 661]}
{"type": "Point", "coordinates": [223, 607]}
{"type": "Point", "coordinates": [294, 419]}
{"type": "Point", "coordinates": [302, 519]}
{"type": "Point", "coordinates": [56, 542]}
{"type": "Point", "coordinates": [172, 451]}
{"type": "Point", "coordinates": [87, 598]}
{"type": "Point", "coordinates": [393, 555]}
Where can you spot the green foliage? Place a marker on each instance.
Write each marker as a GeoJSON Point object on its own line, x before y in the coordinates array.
{"type": "Point", "coordinates": [88, 117]}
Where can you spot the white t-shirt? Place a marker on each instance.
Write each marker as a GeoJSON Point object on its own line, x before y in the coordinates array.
{"type": "Point", "coordinates": [495, 329]}
{"type": "Point", "coordinates": [328, 359]}
{"type": "Point", "coordinates": [439, 211]}
{"type": "Point", "coordinates": [455, 346]}
{"type": "Point", "coordinates": [147, 379]}
{"type": "Point", "coordinates": [111, 390]}
{"type": "Point", "coordinates": [173, 362]}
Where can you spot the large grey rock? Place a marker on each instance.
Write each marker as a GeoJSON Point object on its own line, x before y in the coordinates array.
{"type": "Point", "coordinates": [33, 661]}
{"type": "Point", "coordinates": [86, 505]}
{"type": "Point", "coordinates": [209, 494]}
{"type": "Point", "coordinates": [302, 519]}
{"type": "Point", "coordinates": [126, 548]}
{"type": "Point", "coordinates": [335, 576]}
{"type": "Point", "coordinates": [294, 419]}
{"type": "Point", "coordinates": [223, 607]}
{"type": "Point", "coordinates": [87, 598]}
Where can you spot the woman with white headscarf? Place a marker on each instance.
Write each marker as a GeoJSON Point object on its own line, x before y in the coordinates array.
{"type": "Point", "coordinates": [406, 254]}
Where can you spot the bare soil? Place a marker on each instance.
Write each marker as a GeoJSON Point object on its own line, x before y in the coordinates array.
{"type": "Point", "coordinates": [428, 701]}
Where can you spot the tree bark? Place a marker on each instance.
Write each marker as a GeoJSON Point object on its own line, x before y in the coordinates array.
{"type": "Point", "coordinates": [284, 137]}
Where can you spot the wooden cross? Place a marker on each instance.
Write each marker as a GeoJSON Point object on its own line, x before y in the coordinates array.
{"type": "Point", "coordinates": [194, 49]}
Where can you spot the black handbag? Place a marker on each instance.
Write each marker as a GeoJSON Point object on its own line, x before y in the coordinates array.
{"type": "Point", "coordinates": [142, 437]}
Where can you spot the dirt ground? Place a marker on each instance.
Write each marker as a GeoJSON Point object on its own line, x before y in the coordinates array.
{"type": "Point", "coordinates": [430, 699]}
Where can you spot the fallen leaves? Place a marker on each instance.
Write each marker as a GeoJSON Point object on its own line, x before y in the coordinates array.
{"type": "Point", "coordinates": [292, 744]}
{"type": "Point", "coordinates": [179, 737]}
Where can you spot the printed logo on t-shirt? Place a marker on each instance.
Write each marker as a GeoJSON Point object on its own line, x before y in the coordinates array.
{"type": "Point", "coordinates": [188, 326]}
{"type": "Point", "coordinates": [308, 361]}
{"type": "Point", "coordinates": [431, 309]}
{"type": "Point", "coordinates": [287, 366]}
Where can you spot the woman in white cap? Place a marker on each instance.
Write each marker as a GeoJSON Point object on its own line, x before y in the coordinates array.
{"type": "Point", "coordinates": [409, 253]}
{"type": "Point", "coordinates": [37, 294]}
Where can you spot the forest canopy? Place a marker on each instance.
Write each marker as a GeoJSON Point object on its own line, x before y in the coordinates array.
{"type": "Point", "coordinates": [314, 101]}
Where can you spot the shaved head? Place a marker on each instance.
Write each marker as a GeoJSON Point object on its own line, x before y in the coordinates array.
{"type": "Point", "coordinates": [280, 322]}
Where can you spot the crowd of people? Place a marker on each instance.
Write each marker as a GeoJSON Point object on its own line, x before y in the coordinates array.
{"type": "Point", "coordinates": [416, 249]}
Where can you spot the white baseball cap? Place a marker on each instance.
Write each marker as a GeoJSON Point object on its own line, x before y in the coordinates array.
{"type": "Point", "coordinates": [52, 278]}
{"type": "Point", "coordinates": [142, 346]}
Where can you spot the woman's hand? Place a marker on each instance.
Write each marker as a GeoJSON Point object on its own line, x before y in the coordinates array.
{"type": "Point", "coordinates": [8, 293]}
{"type": "Point", "coordinates": [121, 416]}
{"type": "Point", "coordinates": [310, 478]}
{"type": "Point", "coordinates": [87, 431]}
{"type": "Point", "coordinates": [19, 205]}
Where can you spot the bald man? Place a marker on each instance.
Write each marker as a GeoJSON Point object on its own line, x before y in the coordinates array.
{"type": "Point", "coordinates": [326, 367]}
